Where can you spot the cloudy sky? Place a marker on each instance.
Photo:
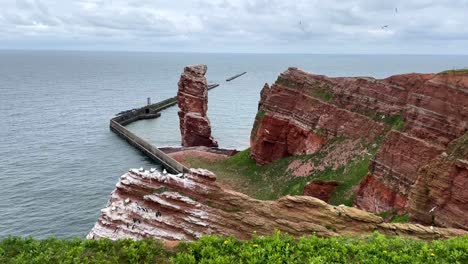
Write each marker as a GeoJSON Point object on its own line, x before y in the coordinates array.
{"type": "Point", "coordinates": [273, 26]}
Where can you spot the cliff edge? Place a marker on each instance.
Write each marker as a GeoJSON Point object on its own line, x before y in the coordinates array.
{"type": "Point", "coordinates": [409, 119]}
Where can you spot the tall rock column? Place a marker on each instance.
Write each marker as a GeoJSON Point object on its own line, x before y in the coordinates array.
{"type": "Point", "coordinates": [192, 99]}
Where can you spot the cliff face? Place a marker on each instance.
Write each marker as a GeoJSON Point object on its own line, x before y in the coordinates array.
{"type": "Point", "coordinates": [185, 207]}
{"type": "Point", "coordinates": [439, 195]}
{"type": "Point", "coordinates": [192, 99]}
{"type": "Point", "coordinates": [413, 116]}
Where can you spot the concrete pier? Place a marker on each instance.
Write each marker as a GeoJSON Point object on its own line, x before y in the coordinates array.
{"type": "Point", "coordinates": [235, 76]}
{"type": "Point", "coordinates": [118, 123]}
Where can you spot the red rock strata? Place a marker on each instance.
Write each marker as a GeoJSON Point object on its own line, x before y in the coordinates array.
{"type": "Point", "coordinates": [302, 111]}
{"type": "Point", "coordinates": [320, 189]}
{"type": "Point", "coordinates": [439, 195]}
{"type": "Point", "coordinates": [192, 99]}
{"type": "Point", "coordinates": [185, 207]}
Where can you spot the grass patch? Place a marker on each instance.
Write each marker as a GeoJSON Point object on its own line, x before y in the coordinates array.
{"type": "Point", "coordinates": [465, 70]}
{"type": "Point", "coordinates": [396, 122]}
{"type": "Point", "coordinates": [401, 219]}
{"type": "Point", "coordinates": [258, 120]}
{"type": "Point", "coordinates": [276, 248]}
{"type": "Point", "coordinates": [274, 180]}
{"type": "Point", "coordinates": [393, 217]}
{"type": "Point", "coordinates": [458, 148]}
{"type": "Point", "coordinates": [349, 176]}
{"type": "Point", "coordinates": [323, 93]}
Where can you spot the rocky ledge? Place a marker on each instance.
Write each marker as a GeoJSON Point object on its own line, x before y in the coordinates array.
{"type": "Point", "coordinates": [187, 206]}
{"type": "Point", "coordinates": [411, 119]}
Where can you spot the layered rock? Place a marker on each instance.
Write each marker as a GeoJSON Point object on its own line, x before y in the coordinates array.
{"type": "Point", "coordinates": [439, 196]}
{"type": "Point", "coordinates": [192, 99]}
{"type": "Point", "coordinates": [320, 189]}
{"type": "Point", "coordinates": [301, 112]}
{"type": "Point", "coordinates": [185, 207]}
{"type": "Point", "coordinates": [393, 171]}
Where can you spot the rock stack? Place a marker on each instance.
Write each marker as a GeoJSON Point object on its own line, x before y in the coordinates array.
{"type": "Point", "coordinates": [192, 99]}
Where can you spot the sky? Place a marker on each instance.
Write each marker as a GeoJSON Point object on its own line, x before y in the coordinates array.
{"type": "Point", "coordinates": [245, 26]}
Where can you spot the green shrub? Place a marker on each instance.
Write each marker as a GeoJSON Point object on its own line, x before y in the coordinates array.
{"type": "Point", "coordinates": [277, 248]}
{"type": "Point", "coordinates": [52, 250]}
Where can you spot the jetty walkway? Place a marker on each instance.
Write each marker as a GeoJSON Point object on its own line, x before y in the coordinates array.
{"type": "Point", "coordinates": [118, 123]}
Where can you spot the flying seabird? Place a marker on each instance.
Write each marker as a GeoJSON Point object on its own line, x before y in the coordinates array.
{"type": "Point", "coordinates": [385, 26]}
{"type": "Point", "coordinates": [432, 210]}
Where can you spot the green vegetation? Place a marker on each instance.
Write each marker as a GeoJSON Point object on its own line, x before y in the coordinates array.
{"type": "Point", "coordinates": [455, 71]}
{"type": "Point", "coordinates": [258, 121]}
{"type": "Point", "coordinates": [396, 122]}
{"type": "Point", "coordinates": [275, 180]}
{"type": "Point", "coordinates": [401, 219]}
{"type": "Point", "coordinates": [459, 148]}
{"type": "Point", "coordinates": [393, 217]}
{"type": "Point", "coordinates": [277, 248]}
{"type": "Point", "coordinates": [324, 93]}
{"type": "Point", "coordinates": [30, 251]}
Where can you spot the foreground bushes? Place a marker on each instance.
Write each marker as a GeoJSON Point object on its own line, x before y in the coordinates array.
{"type": "Point", "coordinates": [278, 248]}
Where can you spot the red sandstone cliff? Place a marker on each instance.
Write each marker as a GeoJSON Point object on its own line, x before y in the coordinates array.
{"type": "Point", "coordinates": [439, 195]}
{"type": "Point", "coordinates": [301, 112]}
{"type": "Point", "coordinates": [185, 207]}
{"type": "Point", "coordinates": [192, 99]}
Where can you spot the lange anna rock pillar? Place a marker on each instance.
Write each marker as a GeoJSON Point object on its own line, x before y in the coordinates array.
{"type": "Point", "coordinates": [192, 99]}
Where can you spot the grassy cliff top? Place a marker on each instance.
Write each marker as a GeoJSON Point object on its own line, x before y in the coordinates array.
{"type": "Point", "coordinates": [465, 70]}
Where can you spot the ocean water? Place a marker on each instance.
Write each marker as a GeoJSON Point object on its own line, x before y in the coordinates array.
{"type": "Point", "coordinates": [59, 161]}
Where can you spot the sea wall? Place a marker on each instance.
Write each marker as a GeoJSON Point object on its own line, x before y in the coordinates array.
{"type": "Point", "coordinates": [118, 123]}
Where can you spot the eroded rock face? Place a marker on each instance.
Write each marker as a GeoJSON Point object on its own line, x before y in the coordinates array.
{"type": "Point", "coordinates": [301, 112]}
{"type": "Point", "coordinates": [192, 99]}
{"type": "Point", "coordinates": [439, 196]}
{"type": "Point", "coordinates": [185, 207]}
{"type": "Point", "coordinates": [393, 172]}
{"type": "Point", "coordinates": [320, 189]}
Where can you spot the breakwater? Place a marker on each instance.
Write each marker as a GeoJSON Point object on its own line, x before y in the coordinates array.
{"type": "Point", "coordinates": [118, 123]}
{"type": "Point", "coordinates": [235, 76]}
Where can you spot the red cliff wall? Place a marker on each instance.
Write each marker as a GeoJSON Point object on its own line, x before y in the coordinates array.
{"type": "Point", "coordinates": [302, 111]}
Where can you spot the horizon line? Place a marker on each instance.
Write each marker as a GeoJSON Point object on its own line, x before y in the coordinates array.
{"type": "Point", "coordinates": [234, 52]}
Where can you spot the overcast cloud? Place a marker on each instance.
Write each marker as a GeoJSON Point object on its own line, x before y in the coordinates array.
{"type": "Point", "coordinates": [300, 26]}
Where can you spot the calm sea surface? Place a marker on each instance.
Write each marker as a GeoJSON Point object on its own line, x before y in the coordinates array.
{"type": "Point", "coordinates": [59, 161]}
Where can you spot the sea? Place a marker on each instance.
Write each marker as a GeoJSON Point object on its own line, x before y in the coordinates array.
{"type": "Point", "coordinates": [59, 161]}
